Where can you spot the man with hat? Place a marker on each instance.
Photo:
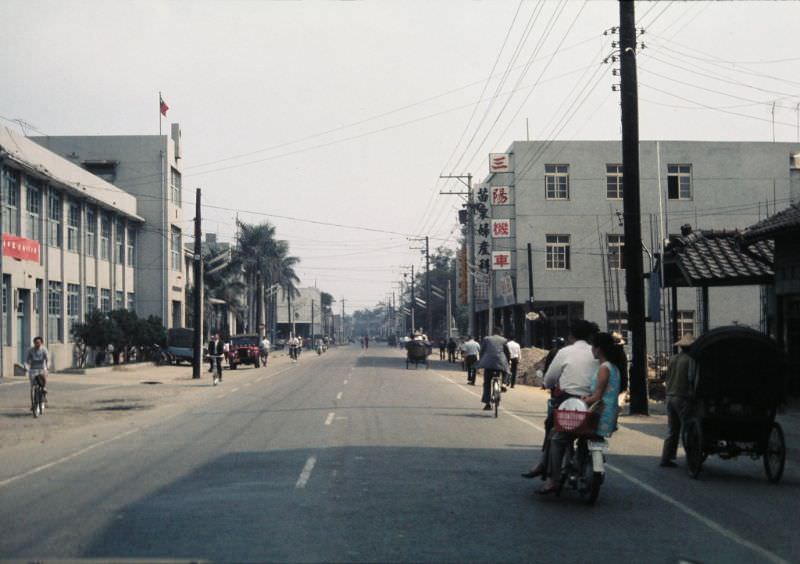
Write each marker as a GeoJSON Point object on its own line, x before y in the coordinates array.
{"type": "Point", "coordinates": [677, 388]}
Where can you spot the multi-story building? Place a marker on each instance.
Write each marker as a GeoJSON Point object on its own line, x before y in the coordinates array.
{"type": "Point", "coordinates": [148, 168]}
{"type": "Point", "coordinates": [563, 200]}
{"type": "Point", "coordinates": [302, 314]}
{"type": "Point", "coordinates": [71, 242]}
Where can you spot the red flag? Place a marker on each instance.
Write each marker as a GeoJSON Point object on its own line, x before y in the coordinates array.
{"type": "Point", "coordinates": [163, 105]}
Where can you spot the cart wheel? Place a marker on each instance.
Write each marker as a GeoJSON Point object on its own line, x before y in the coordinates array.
{"type": "Point", "coordinates": [693, 445]}
{"type": "Point", "coordinates": [775, 454]}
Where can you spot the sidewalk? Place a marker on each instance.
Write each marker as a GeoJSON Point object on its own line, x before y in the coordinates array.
{"type": "Point", "coordinates": [78, 401]}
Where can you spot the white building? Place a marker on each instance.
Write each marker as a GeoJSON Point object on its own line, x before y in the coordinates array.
{"type": "Point", "coordinates": [71, 242]}
{"type": "Point", "coordinates": [148, 168]}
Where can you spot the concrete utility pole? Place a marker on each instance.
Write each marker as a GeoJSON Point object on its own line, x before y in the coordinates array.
{"type": "Point", "coordinates": [311, 336]}
{"type": "Point", "coordinates": [631, 209]}
{"type": "Point", "coordinates": [197, 356]}
{"type": "Point", "coordinates": [471, 266]}
{"type": "Point", "coordinates": [449, 309]}
{"type": "Point", "coordinates": [342, 320]}
{"type": "Point", "coordinates": [413, 301]}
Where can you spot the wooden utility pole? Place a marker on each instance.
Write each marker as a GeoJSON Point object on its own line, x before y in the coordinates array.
{"type": "Point", "coordinates": [448, 310]}
{"type": "Point", "coordinates": [471, 266]}
{"type": "Point", "coordinates": [197, 356]}
{"type": "Point", "coordinates": [634, 279]}
{"type": "Point", "coordinates": [429, 305]}
{"type": "Point", "coordinates": [413, 301]}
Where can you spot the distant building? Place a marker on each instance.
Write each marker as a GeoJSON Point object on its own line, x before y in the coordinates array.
{"type": "Point", "coordinates": [304, 310]}
{"type": "Point", "coordinates": [564, 199]}
{"type": "Point", "coordinates": [71, 244]}
{"type": "Point", "coordinates": [148, 168]}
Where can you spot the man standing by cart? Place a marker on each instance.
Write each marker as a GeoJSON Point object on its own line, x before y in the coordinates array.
{"type": "Point", "coordinates": [677, 388]}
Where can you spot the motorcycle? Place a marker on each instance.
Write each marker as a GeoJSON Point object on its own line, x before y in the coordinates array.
{"type": "Point", "coordinates": [583, 469]}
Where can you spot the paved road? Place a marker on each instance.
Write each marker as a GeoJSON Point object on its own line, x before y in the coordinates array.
{"type": "Point", "coordinates": [350, 457]}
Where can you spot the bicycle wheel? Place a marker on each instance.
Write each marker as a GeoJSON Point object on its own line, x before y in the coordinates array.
{"type": "Point", "coordinates": [37, 400]}
{"type": "Point", "coordinates": [496, 396]}
{"type": "Point", "coordinates": [775, 454]}
{"type": "Point", "coordinates": [590, 481]}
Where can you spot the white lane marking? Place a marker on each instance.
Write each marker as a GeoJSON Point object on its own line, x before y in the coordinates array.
{"type": "Point", "coordinates": [248, 385]}
{"type": "Point", "coordinates": [75, 454]}
{"type": "Point", "coordinates": [306, 473]}
{"type": "Point", "coordinates": [329, 420]}
{"type": "Point", "coordinates": [339, 396]}
{"type": "Point", "coordinates": [235, 390]}
{"type": "Point", "coordinates": [345, 382]}
{"type": "Point", "coordinates": [710, 523]}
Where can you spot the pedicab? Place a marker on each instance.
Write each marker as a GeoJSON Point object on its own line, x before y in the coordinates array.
{"type": "Point", "coordinates": [738, 378]}
{"type": "Point", "coordinates": [417, 352]}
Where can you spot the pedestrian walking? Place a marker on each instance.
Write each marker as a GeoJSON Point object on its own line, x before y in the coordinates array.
{"type": "Point", "coordinates": [470, 350]}
{"type": "Point", "coordinates": [677, 388]}
{"type": "Point", "coordinates": [451, 350]}
{"type": "Point", "coordinates": [514, 353]}
{"type": "Point", "coordinates": [442, 348]}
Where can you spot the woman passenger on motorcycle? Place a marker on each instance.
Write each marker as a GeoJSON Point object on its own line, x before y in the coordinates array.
{"type": "Point", "coordinates": [606, 387]}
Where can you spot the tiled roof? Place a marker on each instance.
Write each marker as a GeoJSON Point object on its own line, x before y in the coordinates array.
{"type": "Point", "coordinates": [783, 221]}
{"type": "Point", "coordinates": [716, 258]}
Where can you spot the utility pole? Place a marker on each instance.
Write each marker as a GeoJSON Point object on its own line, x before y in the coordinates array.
{"type": "Point", "coordinates": [448, 310]}
{"type": "Point", "coordinates": [530, 293]}
{"type": "Point", "coordinates": [311, 336]}
{"type": "Point", "coordinates": [429, 309]}
{"type": "Point", "coordinates": [342, 321]}
{"type": "Point", "coordinates": [197, 355]}
{"type": "Point", "coordinates": [413, 301]}
{"type": "Point", "coordinates": [470, 243]}
{"type": "Point", "coordinates": [631, 208]}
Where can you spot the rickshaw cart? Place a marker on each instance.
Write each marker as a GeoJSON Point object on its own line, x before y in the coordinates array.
{"type": "Point", "coordinates": [738, 380]}
{"type": "Point", "coordinates": [417, 352]}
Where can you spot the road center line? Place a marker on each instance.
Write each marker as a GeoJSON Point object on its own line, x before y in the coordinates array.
{"type": "Point", "coordinates": [710, 523]}
{"type": "Point", "coordinates": [329, 420]}
{"type": "Point", "coordinates": [339, 396]}
{"type": "Point", "coordinates": [306, 473]}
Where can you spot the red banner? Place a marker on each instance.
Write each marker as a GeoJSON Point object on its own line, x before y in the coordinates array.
{"type": "Point", "coordinates": [20, 248]}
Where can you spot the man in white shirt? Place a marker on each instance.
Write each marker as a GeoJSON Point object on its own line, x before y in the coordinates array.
{"type": "Point", "coordinates": [470, 350]}
{"type": "Point", "coordinates": [514, 353]}
{"type": "Point", "coordinates": [569, 375]}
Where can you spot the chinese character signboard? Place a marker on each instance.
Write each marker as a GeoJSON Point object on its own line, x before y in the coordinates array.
{"type": "Point", "coordinates": [483, 230]}
{"type": "Point", "coordinates": [20, 248]}
{"type": "Point", "coordinates": [501, 195]}
{"type": "Point", "coordinates": [500, 162]}
{"type": "Point", "coordinates": [501, 228]}
{"type": "Point", "coordinates": [501, 260]}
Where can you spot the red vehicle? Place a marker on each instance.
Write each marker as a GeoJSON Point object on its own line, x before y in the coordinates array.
{"type": "Point", "coordinates": [243, 350]}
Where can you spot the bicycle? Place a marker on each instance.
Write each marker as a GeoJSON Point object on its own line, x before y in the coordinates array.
{"type": "Point", "coordinates": [495, 391]}
{"type": "Point", "coordinates": [37, 397]}
{"type": "Point", "coordinates": [216, 368]}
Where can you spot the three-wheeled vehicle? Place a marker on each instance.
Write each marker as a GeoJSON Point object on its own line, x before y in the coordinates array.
{"type": "Point", "coordinates": [738, 379]}
{"type": "Point", "coordinates": [417, 352]}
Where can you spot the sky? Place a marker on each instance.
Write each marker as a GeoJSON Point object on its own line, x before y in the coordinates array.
{"type": "Point", "coordinates": [334, 120]}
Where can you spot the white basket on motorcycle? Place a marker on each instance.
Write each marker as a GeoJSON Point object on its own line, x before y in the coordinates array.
{"type": "Point", "coordinates": [573, 416]}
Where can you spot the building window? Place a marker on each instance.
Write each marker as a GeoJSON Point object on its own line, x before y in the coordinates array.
{"type": "Point", "coordinates": [91, 232]}
{"type": "Point", "coordinates": [175, 249]}
{"type": "Point", "coordinates": [556, 181]}
{"type": "Point", "coordinates": [616, 251]}
{"type": "Point", "coordinates": [119, 241]}
{"type": "Point", "coordinates": [105, 235]}
{"type": "Point", "coordinates": [175, 186]}
{"type": "Point", "coordinates": [33, 205]}
{"type": "Point", "coordinates": [557, 251]}
{"type": "Point", "coordinates": [131, 302]}
{"type": "Point", "coordinates": [55, 309]}
{"type": "Point", "coordinates": [685, 322]}
{"type": "Point", "coordinates": [679, 181]}
{"type": "Point", "coordinates": [73, 306]}
{"type": "Point", "coordinates": [119, 299]}
{"type": "Point", "coordinates": [10, 200]}
{"type": "Point", "coordinates": [614, 181]}
{"type": "Point", "coordinates": [54, 207]}
{"type": "Point", "coordinates": [131, 254]}
{"type": "Point", "coordinates": [105, 300]}
{"type": "Point", "coordinates": [618, 321]}
{"type": "Point", "coordinates": [73, 226]}
{"type": "Point", "coordinates": [107, 170]}
{"type": "Point", "coordinates": [91, 299]}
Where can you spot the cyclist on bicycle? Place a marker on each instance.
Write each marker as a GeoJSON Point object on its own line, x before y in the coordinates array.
{"type": "Point", "coordinates": [36, 363]}
{"type": "Point", "coordinates": [494, 361]}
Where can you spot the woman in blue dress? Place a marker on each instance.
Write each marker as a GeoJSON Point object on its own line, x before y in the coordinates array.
{"type": "Point", "coordinates": [607, 381]}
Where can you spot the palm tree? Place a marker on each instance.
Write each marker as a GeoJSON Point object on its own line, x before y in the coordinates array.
{"type": "Point", "coordinates": [265, 261]}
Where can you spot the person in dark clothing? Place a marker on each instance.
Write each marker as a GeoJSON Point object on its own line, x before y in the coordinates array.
{"type": "Point", "coordinates": [494, 359]}
{"type": "Point", "coordinates": [451, 350]}
{"type": "Point", "coordinates": [442, 348]}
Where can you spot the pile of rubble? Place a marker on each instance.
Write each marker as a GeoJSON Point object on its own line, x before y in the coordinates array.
{"type": "Point", "coordinates": [532, 359]}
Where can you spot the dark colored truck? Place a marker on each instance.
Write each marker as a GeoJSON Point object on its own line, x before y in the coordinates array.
{"type": "Point", "coordinates": [180, 345]}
